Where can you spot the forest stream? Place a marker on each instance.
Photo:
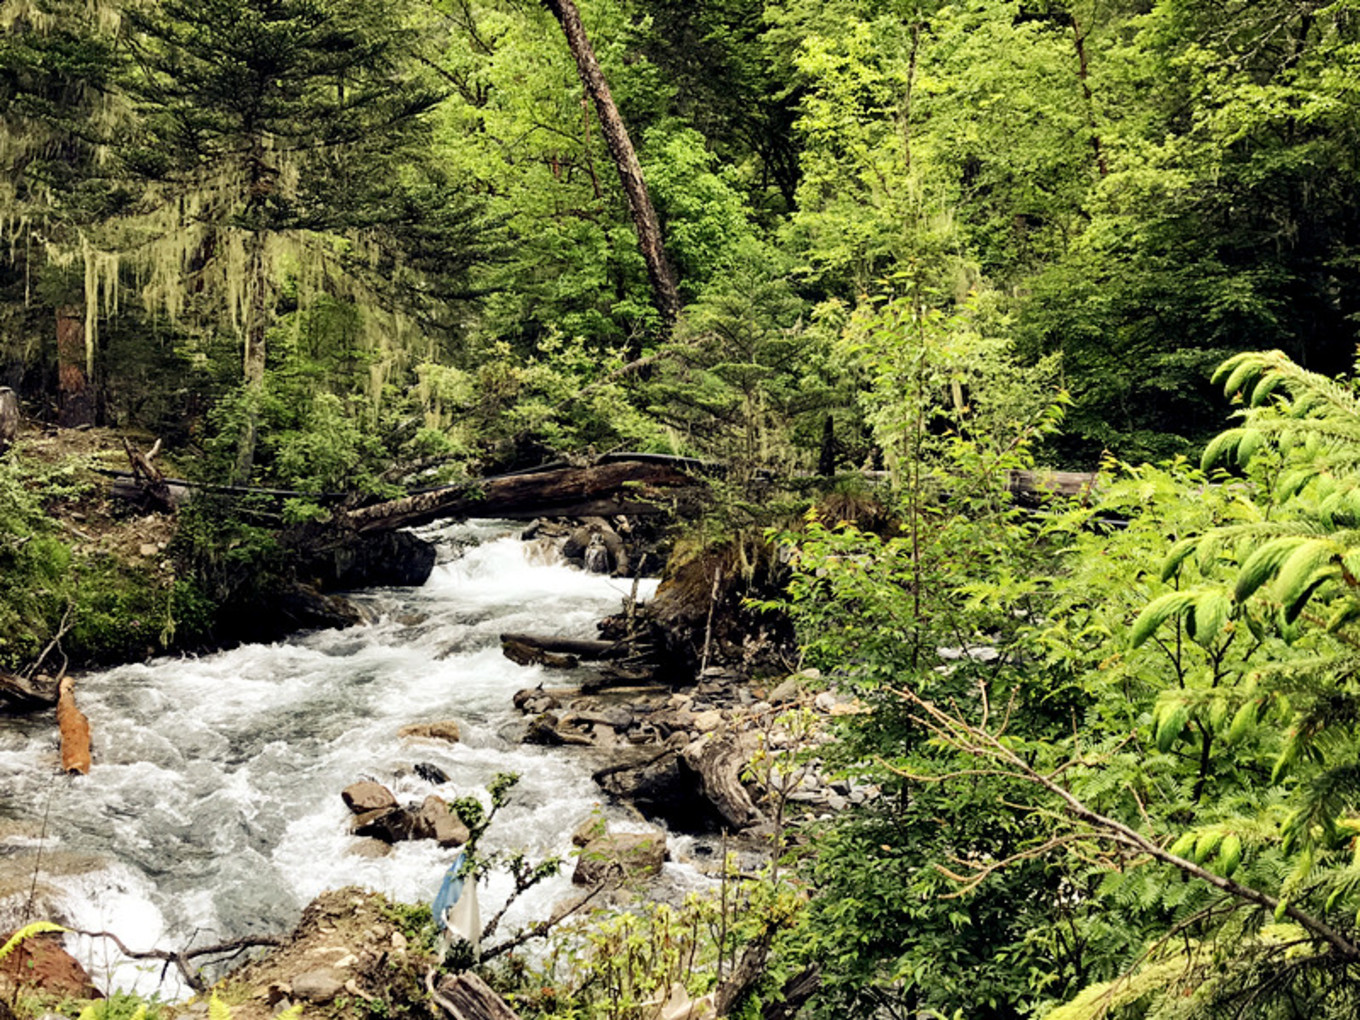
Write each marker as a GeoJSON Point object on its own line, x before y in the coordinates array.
{"type": "Point", "coordinates": [213, 809]}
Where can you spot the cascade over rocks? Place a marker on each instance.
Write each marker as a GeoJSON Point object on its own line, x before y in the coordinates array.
{"type": "Point", "coordinates": [378, 815]}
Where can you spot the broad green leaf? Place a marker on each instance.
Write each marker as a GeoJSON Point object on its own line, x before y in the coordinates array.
{"type": "Point", "coordinates": [1243, 721]}
{"type": "Point", "coordinates": [1300, 573]}
{"type": "Point", "coordinates": [1171, 727]}
{"type": "Point", "coordinates": [1229, 854]}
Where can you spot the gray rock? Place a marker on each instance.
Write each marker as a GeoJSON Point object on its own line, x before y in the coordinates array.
{"type": "Point", "coordinates": [369, 848]}
{"type": "Point", "coordinates": [436, 820]}
{"type": "Point", "coordinates": [318, 985]}
{"type": "Point", "coordinates": [786, 692]}
{"type": "Point", "coordinates": [620, 856]}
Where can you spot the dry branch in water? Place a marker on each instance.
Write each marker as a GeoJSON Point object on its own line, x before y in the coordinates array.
{"type": "Point", "coordinates": [181, 958]}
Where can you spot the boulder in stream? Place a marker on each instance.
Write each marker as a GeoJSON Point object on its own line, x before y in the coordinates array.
{"type": "Point", "coordinates": [620, 857]}
{"type": "Point", "coordinates": [367, 796]}
{"type": "Point", "coordinates": [444, 729]}
{"type": "Point", "coordinates": [437, 820]}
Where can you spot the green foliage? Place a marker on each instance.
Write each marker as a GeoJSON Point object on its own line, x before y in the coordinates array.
{"type": "Point", "coordinates": [1200, 702]}
{"type": "Point", "coordinates": [622, 964]}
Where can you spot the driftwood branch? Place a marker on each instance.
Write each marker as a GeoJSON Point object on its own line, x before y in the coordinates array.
{"type": "Point", "coordinates": [181, 958]}
{"type": "Point", "coordinates": [63, 629]}
{"type": "Point", "coordinates": [467, 997]}
{"type": "Point", "coordinates": [150, 479]}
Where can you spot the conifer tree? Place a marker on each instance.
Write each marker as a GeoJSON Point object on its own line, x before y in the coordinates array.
{"type": "Point", "coordinates": [57, 60]}
{"type": "Point", "coordinates": [266, 124]}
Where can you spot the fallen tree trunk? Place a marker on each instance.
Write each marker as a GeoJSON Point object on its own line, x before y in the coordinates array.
{"type": "Point", "coordinates": [75, 730]}
{"type": "Point", "coordinates": [624, 487]}
{"type": "Point", "coordinates": [590, 651]}
{"type": "Point", "coordinates": [718, 760]}
{"type": "Point", "coordinates": [24, 694]}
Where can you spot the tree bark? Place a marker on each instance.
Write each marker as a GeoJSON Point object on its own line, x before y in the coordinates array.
{"type": "Point", "coordinates": [1079, 41]}
{"type": "Point", "coordinates": [254, 355]}
{"type": "Point", "coordinates": [591, 651]}
{"type": "Point", "coordinates": [75, 403]}
{"type": "Point", "coordinates": [665, 294]}
{"type": "Point", "coordinates": [718, 760]}
{"type": "Point", "coordinates": [468, 997]}
{"type": "Point", "coordinates": [9, 417]}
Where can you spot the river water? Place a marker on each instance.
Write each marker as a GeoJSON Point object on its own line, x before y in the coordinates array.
{"type": "Point", "coordinates": [213, 809]}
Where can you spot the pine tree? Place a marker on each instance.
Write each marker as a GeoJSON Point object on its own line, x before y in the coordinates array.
{"type": "Point", "coordinates": [266, 125]}
{"type": "Point", "coordinates": [57, 61]}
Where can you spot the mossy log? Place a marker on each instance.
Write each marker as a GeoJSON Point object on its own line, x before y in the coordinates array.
{"type": "Point", "coordinates": [621, 487]}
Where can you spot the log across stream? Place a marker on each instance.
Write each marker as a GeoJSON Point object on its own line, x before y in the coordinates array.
{"type": "Point", "coordinates": [212, 809]}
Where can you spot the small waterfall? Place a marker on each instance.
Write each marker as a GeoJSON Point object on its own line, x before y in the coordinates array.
{"type": "Point", "coordinates": [213, 809]}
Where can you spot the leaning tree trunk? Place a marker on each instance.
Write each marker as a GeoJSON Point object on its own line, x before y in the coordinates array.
{"type": "Point", "coordinates": [665, 294]}
{"type": "Point", "coordinates": [256, 321]}
{"type": "Point", "coordinates": [75, 403]}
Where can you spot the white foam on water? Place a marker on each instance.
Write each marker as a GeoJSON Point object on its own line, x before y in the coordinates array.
{"type": "Point", "coordinates": [214, 797]}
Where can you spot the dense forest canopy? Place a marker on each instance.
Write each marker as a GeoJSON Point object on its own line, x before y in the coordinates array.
{"type": "Point", "coordinates": [415, 209]}
{"type": "Point", "coordinates": [359, 246]}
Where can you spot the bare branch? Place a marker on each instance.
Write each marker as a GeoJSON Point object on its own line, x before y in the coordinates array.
{"type": "Point", "coordinates": [973, 740]}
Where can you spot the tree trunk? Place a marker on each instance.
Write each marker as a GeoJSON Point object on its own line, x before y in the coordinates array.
{"type": "Point", "coordinates": [75, 403]}
{"type": "Point", "coordinates": [718, 760]}
{"type": "Point", "coordinates": [467, 997]}
{"type": "Point", "coordinates": [598, 490]}
{"type": "Point", "coordinates": [665, 294]}
{"type": "Point", "coordinates": [75, 730]}
{"type": "Point", "coordinates": [254, 356]}
{"type": "Point", "coordinates": [1079, 41]}
{"type": "Point", "coordinates": [9, 417]}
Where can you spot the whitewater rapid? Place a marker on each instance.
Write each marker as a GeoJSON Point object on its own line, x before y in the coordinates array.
{"type": "Point", "coordinates": [213, 809]}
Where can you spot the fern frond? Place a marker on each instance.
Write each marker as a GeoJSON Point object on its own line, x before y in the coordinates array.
{"type": "Point", "coordinates": [28, 932]}
{"type": "Point", "coordinates": [1158, 611]}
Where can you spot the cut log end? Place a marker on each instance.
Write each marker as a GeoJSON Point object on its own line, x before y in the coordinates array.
{"type": "Point", "coordinates": [75, 731]}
